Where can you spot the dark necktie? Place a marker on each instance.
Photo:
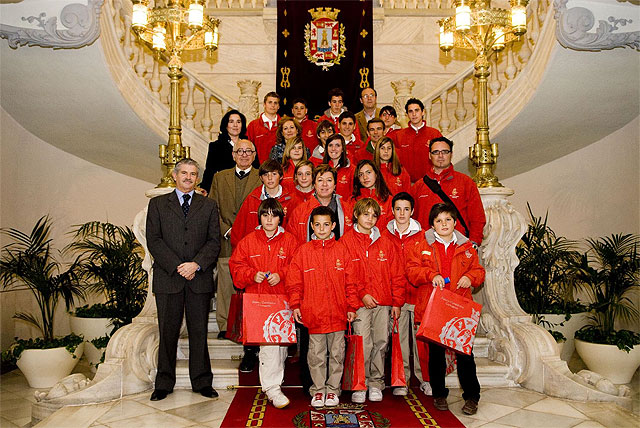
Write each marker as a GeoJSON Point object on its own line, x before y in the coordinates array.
{"type": "Point", "coordinates": [241, 174]}
{"type": "Point", "coordinates": [185, 204]}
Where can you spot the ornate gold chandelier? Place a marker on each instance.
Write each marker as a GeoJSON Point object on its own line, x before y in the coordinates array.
{"type": "Point", "coordinates": [170, 28]}
{"type": "Point", "coordinates": [478, 26]}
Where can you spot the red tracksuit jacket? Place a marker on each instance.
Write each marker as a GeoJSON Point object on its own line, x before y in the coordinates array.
{"type": "Point", "coordinates": [298, 223]}
{"type": "Point", "coordinates": [263, 137]}
{"type": "Point", "coordinates": [321, 283]}
{"type": "Point", "coordinates": [413, 149]}
{"type": "Point", "coordinates": [378, 266]}
{"type": "Point", "coordinates": [395, 183]}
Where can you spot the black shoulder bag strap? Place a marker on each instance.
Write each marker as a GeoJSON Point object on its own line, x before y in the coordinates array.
{"type": "Point", "coordinates": [435, 188]}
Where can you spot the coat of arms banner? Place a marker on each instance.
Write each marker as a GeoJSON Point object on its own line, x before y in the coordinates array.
{"type": "Point", "coordinates": [324, 45]}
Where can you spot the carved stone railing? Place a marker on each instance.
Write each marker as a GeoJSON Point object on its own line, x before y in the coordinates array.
{"type": "Point", "coordinates": [415, 4]}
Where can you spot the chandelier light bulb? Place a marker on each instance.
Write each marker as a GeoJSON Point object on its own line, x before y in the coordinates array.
{"type": "Point", "coordinates": [519, 19]}
{"type": "Point", "coordinates": [140, 16]}
{"type": "Point", "coordinates": [159, 38]}
{"type": "Point", "coordinates": [446, 39]}
{"type": "Point", "coordinates": [463, 17]}
{"type": "Point", "coordinates": [499, 39]}
{"type": "Point", "coordinates": [196, 14]}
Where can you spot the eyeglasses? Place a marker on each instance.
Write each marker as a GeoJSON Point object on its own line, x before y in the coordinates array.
{"type": "Point", "coordinates": [246, 152]}
{"type": "Point", "coordinates": [369, 96]}
{"type": "Point", "coordinates": [440, 152]}
{"type": "Point", "coordinates": [386, 113]}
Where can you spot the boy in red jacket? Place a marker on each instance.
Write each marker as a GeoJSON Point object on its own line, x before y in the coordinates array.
{"type": "Point", "coordinates": [446, 258]}
{"type": "Point", "coordinates": [381, 288]}
{"type": "Point", "coordinates": [406, 233]}
{"type": "Point", "coordinates": [259, 264]}
{"type": "Point", "coordinates": [321, 288]}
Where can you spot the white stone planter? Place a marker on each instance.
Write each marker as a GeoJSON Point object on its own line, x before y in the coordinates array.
{"type": "Point", "coordinates": [569, 329]}
{"type": "Point", "coordinates": [91, 328]}
{"type": "Point", "coordinates": [43, 368]}
{"type": "Point", "coordinates": [609, 361]}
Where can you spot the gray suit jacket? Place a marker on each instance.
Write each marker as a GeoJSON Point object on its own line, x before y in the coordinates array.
{"type": "Point", "coordinates": [223, 191]}
{"type": "Point", "coordinates": [173, 239]}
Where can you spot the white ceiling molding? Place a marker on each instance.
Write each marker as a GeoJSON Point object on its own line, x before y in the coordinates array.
{"type": "Point", "coordinates": [81, 27]}
{"type": "Point", "coordinates": [575, 24]}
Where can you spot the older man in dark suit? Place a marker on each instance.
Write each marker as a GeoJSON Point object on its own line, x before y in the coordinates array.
{"type": "Point", "coordinates": [183, 236]}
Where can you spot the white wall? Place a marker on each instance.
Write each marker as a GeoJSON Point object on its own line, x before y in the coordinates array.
{"type": "Point", "coordinates": [592, 192]}
{"type": "Point", "coordinates": [38, 179]}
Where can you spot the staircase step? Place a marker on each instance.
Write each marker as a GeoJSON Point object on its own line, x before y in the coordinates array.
{"type": "Point", "coordinates": [219, 349]}
{"type": "Point", "coordinates": [225, 373]}
{"type": "Point", "coordinates": [490, 374]}
{"type": "Point", "coordinates": [481, 347]}
{"type": "Point", "coordinates": [212, 326]}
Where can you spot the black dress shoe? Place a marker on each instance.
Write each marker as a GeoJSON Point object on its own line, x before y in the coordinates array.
{"type": "Point", "coordinates": [248, 362]}
{"type": "Point", "coordinates": [208, 392]}
{"type": "Point", "coordinates": [159, 394]}
{"type": "Point", "coordinates": [222, 335]}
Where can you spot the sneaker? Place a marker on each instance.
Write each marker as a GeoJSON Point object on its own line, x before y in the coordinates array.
{"type": "Point", "coordinates": [318, 400]}
{"type": "Point", "coordinates": [426, 388]}
{"type": "Point", "coordinates": [278, 399]}
{"type": "Point", "coordinates": [401, 390]}
{"type": "Point", "coordinates": [375, 394]}
{"type": "Point", "coordinates": [332, 400]}
{"type": "Point", "coordinates": [359, 397]}
{"type": "Point", "coordinates": [248, 362]}
{"type": "Point", "coordinates": [470, 407]}
{"type": "Point", "coordinates": [440, 403]}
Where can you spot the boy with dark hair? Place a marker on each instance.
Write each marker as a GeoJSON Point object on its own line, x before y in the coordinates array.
{"type": "Point", "coordinates": [406, 233]}
{"type": "Point", "coordinates": [262, 130]}
{"type": "Point", "coordinates": [259, 264]}
{"type": "Point", "coordinates": [446, 258]}
{"type": "Point", "coordinates": [299, 112]}
{"type": "Point", "coordinates": [336, 107]}
{"type": "Point", "coordinates": [321, 288]}
{"type": "Point", "coordinates": [348, 129]}
{"type": "Point", "coordinates": [381, 288]}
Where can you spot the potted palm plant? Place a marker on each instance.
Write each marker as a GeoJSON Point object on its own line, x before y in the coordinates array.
{"type": "Point", "coordinates": [27, 261]}
{"type": "Point", "coordinates": [609, 273]}
{"type": "Point", "coordinates": [110, 259]}
{"type": "Point", "coordinates": [544, 282]}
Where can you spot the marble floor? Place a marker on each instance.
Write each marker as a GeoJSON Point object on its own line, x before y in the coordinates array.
{"type": "Point", "coordinates": [499, 407]}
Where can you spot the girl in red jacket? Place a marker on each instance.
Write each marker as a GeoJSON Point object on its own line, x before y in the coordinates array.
{"type": "Point", "coordinates": [381, 288]}
{"type": "Point", "coordinates": [386, 160]}
{"type": "Point", "coordinates": [259, 264]}
{"type": "Point", "coordinates": [303, 181]}
{"type": "Point", "coordinates": [294, 153]}
{"type": "Point", "coordinates": [335, 155]}
{"type": "Point", "coordinates": [446, 258]}
{"type": "Point", "coordinates": [321, 288]}
{"type": "Point", "coordinates": [368, 183]}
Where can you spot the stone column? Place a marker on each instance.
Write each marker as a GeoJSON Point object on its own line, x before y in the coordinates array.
{"type": "Point", "coordinates": [248, 101]}
{"type": "Point", "coordinates": [403, 90]}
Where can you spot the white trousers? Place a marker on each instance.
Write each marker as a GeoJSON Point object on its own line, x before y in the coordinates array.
{"type": "Point", "coordinates": [272, 358]}
{"type": "Point", "coordinates": [373, 326]}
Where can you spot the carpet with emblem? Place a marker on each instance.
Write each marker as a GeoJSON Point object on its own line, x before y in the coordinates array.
{"type": "Point", "coordinates": [250, 408]}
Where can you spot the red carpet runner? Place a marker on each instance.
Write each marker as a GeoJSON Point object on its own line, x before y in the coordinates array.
{"type": "Point", "coordinates": [250, 408]}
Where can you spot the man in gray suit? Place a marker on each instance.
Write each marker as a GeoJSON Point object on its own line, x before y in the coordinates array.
{"type": "Point", "coordinates": [183, 236]}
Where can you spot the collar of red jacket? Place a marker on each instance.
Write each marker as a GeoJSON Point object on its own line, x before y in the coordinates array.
{"type": "Point", "coordinates": [444, 174]}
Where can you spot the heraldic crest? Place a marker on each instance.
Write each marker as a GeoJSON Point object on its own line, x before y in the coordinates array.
{"type": "Point", "coordinates": [324, 37]}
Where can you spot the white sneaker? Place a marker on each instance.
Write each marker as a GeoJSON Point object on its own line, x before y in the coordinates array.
{"type": "Point", "coordinates": [375, 394]}
{"type": "Point", "coordinates": [318, 400]}
{"type": "Point", "coordinates": [426, 388]}
{"type": "Point", "coordinates": [332, 400]}
{"type": "Point", "coordinates": [279, 400]}
{"type": "Point", "coordinates": [359, 397]}
{"type": "Point", "coordinates": [401, 390]}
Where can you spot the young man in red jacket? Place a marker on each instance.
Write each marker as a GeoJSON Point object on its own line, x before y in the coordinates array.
{"type": "Point", "coordinates": [246, 220]}
{"type": "Point", "coordinates": [460, 189]}
{"type": "Point", "coordinates": [406, 233]}
{"type": "Point", "coordinates": [299, 112]}
{"type": "Point", "coordinates": [262, 131]}
{"type": "Point", "coordinates": [412, 142]}
{"type": "Point", "coordinates": [259, 264]}
{"type": "Point", "coordinates": [446, 258]}
{"type": "Point", "coordinates": [321, 287]}
{"type": "Point", "coordinates": [336, 107]}
{"type": "Point", "coordinates": [381, 288]}
{"type": "Point", "coordinates": [349, 131]}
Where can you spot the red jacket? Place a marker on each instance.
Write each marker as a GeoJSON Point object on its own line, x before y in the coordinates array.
{"type": "Point", "coordinates": [405, 244]}
{"type": "Point", "coordinates": [366, 152]}
{"type": "Point", "coordinates": [464, 194]}
{"type": "Point", "coordinates": [395, 183]}
{"type": "Point", "coordinates": [309, 134]}
{"type": "Point", "coordinates": [413, 149]}
{"type": "Point", "coordinates": [424, 263]}
{"type": "Point", "coordinates": [247, 217]}
{"type": "Point", "coordinates": [321, 283]}
{"type": "Point", "coordinates": [263, 137]}
{"type": "Point", "coordinates": [298, 223]}
{"type": "Point", "coordinates": [344, 182]}
{"type": "Point", "coordinates": [354, 148]}
{"type": "Point", "coordinates": [386, 210]}
{"type": "Point", "coordinates": [287, 176]}
{"type": "Point", "coordinates": [330, 119]}
{"type": "Point", "coordinates": [378, 266]}
{"type": "Point", "coordinates": [299, 197]}
{"type": "Point", "coordinates": [257, 253]}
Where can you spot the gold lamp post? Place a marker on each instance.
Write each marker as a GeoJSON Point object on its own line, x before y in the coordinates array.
{"type": "Point", "coordinates": [478, 26]}
{"type": "Point", "coordinates": [170, 28]}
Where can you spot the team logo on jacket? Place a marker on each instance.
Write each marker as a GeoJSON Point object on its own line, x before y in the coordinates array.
{"type": "Point", "coordinates": [281, 253]}
{"type": "Point", "coordinates": [325, 42]}
{"type": "Point", "coordinates": [398, 182]}
{"type": "Point", "coordinates": [468, 254]}
{"type": "Point", "coordinates": [454, 193]}
{"type": "Point", "coordinates": [280, 327]}
{"type": "Point", "coordinates": [381, 257]}
{"type": "Point", "coordinates": [339, 265]}
{"type": "Point", "coordinates": [426, 253]}
{"type": "Point", "coordinates": [343, 180]}
{"type": "Point", "coordinates": [458, 333]}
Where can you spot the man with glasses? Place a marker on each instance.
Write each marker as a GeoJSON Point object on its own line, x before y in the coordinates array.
{"type": "Point", "coordinates": [453, 185]}
{"type": "Point", "coordinates": [229, 189]}
{"type": "Point", "coordinates": [368, 98]}
{"type": "Point", "coordinates": [412, 142]}
{"type": "Point", "coordinates": [389, 117]}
